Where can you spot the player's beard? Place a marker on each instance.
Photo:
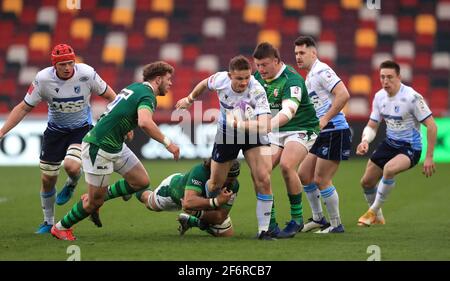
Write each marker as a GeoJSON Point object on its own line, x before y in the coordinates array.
{"type": "Point", "coordinates": [162, 89]}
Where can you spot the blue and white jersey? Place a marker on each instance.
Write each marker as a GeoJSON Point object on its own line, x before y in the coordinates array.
{"type": "Point", "coordinates": [402, 114]}
{"type": "Point", "coordinates": [68, 100]}
{"type": "Point", "coordinates": [254, 95]}
{"type": "Point", "coordinates": [320, 82]}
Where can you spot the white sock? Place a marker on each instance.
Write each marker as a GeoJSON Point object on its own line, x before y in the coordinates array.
{"type": "Point", "coordinates": [331, 200]}
{"type": "Point", "coordinates": [384, 188]}
{"type": "Point", "coordinates": [370, 194]}
{"type": "Point", "coordinates": [59, 226]}
{"type": "Point", "coordinates": [48, 205]}
{"type": "Point", "coordinates": [263, 208]}
{"type": "Point", "coordinates": [313, 195]}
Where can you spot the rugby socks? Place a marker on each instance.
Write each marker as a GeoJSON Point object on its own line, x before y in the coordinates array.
{"type": "Point", "coordinates": [48, 205]}
{"type": "Point", "coordinates": [331, 200]}
{"type": "Point", "coordinates": [119, 188]}
{"type": "Point", "coordinates": [370, 194]}
{"type": "Point", "coordinates": [384, 188]}
{"type": "Point", "coordinates": [139, 193]}
{"type": "Point", "coordinates": [313, 195]}
{"type": "Point", "coordinates": [263, 210]}
{"type": "Point", "coordinates": [296, 207]}
{"type": "Point", "coordinates": [78, 213]}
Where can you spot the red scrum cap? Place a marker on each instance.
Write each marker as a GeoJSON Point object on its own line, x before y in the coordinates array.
{"type": "Point", "coordinates": [62, 52]}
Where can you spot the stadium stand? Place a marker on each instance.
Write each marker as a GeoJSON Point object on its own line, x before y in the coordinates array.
{"type": "Point", "coordinates": [119, 37]}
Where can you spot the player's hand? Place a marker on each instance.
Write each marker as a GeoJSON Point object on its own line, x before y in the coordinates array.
{"type": "Point", "coordinates": [183, 103]}
{"type": "Point", "coordinates": [175, 150]}
{"type": "Point", "coordinates": [230, 119]}
{"type": "Point", "coordinates": [429, 167]}
{"type": "Point", "coordinates": [224, 196]}
{"type": "Point", "coordinates": [129, 136]}
{"type": "Point", "coordinates": [362, 148]}
{"type": "Point", "coordinates": [323, 122]}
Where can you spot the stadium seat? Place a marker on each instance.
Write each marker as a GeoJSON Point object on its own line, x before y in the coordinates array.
{"type": "Point", "coordinates": [441, 60]}
{"type": "Point", "coordinates": [81, 28]}
{"type": "Point", "coordinates": [164, 6]}
{"type": "Point", "coordinates": [439, 102]}
{"type": "Point", "coordinates": [443, 10]}
{"type": "Point", "coordinates": [122, 16]}
{"type": "Point", "coordinates": [360, 84]}
{"type": "Point", "coordinates": [219, 6]}
{"type": "Point", "coordinates": [421, 84]}
{"type": "Point", "coordinates": [407, 72]}
{"type": "Point", "coordinates": [8, 87]}
{"type": "Point", "coordinates": [40, 41]}
{"type": "Point", "coordinates": [298, 5]}
{"type": "Point", "coordinates": [378, 58]}
{"type": "Point", "coordinates": [275, 17]}
{"type": "Point", "coordinates": [28, 16]}
{"type": "Point", "coordinates": [17, 54]}
{"type": "Point", "coordinates": [387, 24]}
{"type": "Point", "coordinates": [331, 12]}
{"type": "Point", "coordinates": [135, 41]}
{"type": "Point", "coordinates": [113, 54]}
{"type": "Point", "coordinates": [425, 24]}
{"type": "Point", "coordinates": [165, 102]}
{"type": "Point", "coordinates": [171, 52]}
{"type": "Point", "coordinates": [271, 36]}
{"type": "Point", "coordinates": [64, 8]}
{"type": "Point", "coordinates": [327, 50]}
{"type": "Point", "coordinates": [357, 106]}
{"type": "Point", "coordinates": [214, 27]}
{"type": "Point", "coordinates": [290, 26]}
{"type": "Point", "coordinates": [208, 63]}
{"type": "Point", "coordinates": [404, 49]}
{"type": "Point", "coordinates": [190, 53]}
{"type": "Point", "coordinates": [422, 61]}
{"type": "Point", "coordinates": [12, 6]}
{"type": "Point", "coordinates": [47, 16]}
{"type": "Point", "coordinates": [157, 28]}
{"type": "Point", "coordinates": [310, 25]}
{"type": "Point", "coordinates": [351, 4]}
{"type": "Point", "coordinates": [254, 14]}
{"type": "Point", "coordinates": [365, 38]}
{"type": "Point", "coordinates": [368, 14]}
{"type": "Point", "coordinates": [406, 25]}
{"type": "Point", "coordinates": [27, 74]}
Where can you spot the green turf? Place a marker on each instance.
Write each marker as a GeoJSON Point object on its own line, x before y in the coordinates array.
{"type": "Point", "coordinates": [417, 228]}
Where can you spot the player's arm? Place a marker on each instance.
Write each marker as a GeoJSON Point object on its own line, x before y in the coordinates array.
{"type": "Point", "coordinates": [16, 115]}
{"type": "Point", "coordinates": [194, 201]}
{"type": "Point", "coordinates": [288, 109]}
{"type": "Point", "coordinates": [260, 125]}
{"type": "Point", "coordinates": [146, 123]}
{"type": "Point", "coordinates": [428, 165]}
{"type": "Point", "coordinates": [368, 135]}
{"type": "Point", "coordinates": [109, 94]}
{"type": "Point", "coordinates": [196, 92]}
{"type": "Point", "coordinates": [341, 97]}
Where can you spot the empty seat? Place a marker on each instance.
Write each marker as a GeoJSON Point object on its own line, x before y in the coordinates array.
{"type": "Point", "coordinates": [310, 25]}
{"type": "Point", "coordinates": [331, 12]}
{"type": "Point", "coordinates": [157, 28]}
{"type": "Point", "coordinates": [165, 102]}
{"type": "Point", "coordinates": [351, 4]}
{"type": "Point", "coordinates": [69, 6]}
{"type": "Point", "coordinates": [220, 6]}
{"type": "Point", "coordinates": [113, 54]}
{"type": "Point", "coordinates": [17, 54]}
{"type": "Point", "coordinates": [172, 52]}
{"type": "Point", "coordinates": [387, 24]}
{"type": "Point", "coordinates": [421, 84]}
{"type": "Point", "coordinates": [406, 72]}
{"type": "Point", "coordinates": [81, 28]}
{"type": "Point", "coordinates": [404, 49]}
{"type": "Point", "coordinates": [365, 38]}
{"type": "Point", "coordinates": [40, 41]}
{"type": "Point", "coordinates": [190, 53]}
{"type": "Point", "coordinates": [208, 63]}
{"type": "Point", "coordinates": [426, 24]}
{"type": "Point", "coordinates": [47, 16]}
{"type": "Point", "coordinates": [254, 14]}
{"type": "Point", "coordinates": [12, 6]}
{"type": "Point", "coordinates": [214, 27]}
{"type": "Point", "coordinates": [443, 10]}
{"type": "Point", "coordinates": [127, 4]}
{"type": "Point", "coordinates": [138, 73]}
{"type": "Point", "coordinates": [378, 58]}
{"type": "Point", "coordinates": [298, 5]}
{"type": "Point", "coordinates": [360, 84]}
{"type": "Point", "coordinates": [441, 60]}
{"type": "Point", "coordinates": [406, 25]}
{"type": "Point", "coordinates": [271, 36]}
{"type": "Point", "coordinates": [118, 39]}
{"type": "Point", "coordinates": [327, 50]}
{"type": "Point", "coordinates": [368, 14]}
{"type": "Point", "coordinates": [357, 106]}
{"type": "Point", "coordinates": [122, 16]}
{"type": "Point", "coordinates": [27, 74]}
{"type": "Point", "coordinates": [422, 61]}
{"type": "Point", "coordinates": [164, 6]}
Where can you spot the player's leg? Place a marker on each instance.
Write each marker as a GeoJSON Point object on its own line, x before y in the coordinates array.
{"type": "Point", "coordinates": [221, 161]}
{"type": "Point", "coordinates": [369, 182]}
{"type": "Point", "coordinates": [159, 199]}
{"type": "Point", "coordinates": [276, 151]}
{"type": "Point", "coordinates": [259, 160]}
{"type": "Point", "coordinates": [72, 166]}
{"type": "Point", "coordinates": [215, 222]}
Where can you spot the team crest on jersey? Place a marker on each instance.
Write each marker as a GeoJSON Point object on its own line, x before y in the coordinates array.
{"type": "Point", "coordinates": [77, 89]}
{"type": "Point", "coordinates": [57, 90]}
{"type": "Point", "coordinates": [275, 92]}
{"type": "Point", "coordinates": [396, 108]}
{"type": "Point", "coordinates": [301, 136]}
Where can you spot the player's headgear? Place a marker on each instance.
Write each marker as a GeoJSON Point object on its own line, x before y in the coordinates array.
{"type": "Point", "coordinates": [235, 169]}
{"type": "Point", "coordinates": [62, 52]}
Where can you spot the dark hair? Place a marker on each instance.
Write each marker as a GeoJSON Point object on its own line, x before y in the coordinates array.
{"type": "Point", "coordinates": [392, 65]}
{"type": "Point", "coordinates": [305, 40]}
{"type": "Point", "coordinates": [239, 63]}
{"type": "Point", "coordinates": [266, 50]}
{"type": "Point", "coordinates": [155, 69]}
{"type": "Point", "coordinates": [235, 168]}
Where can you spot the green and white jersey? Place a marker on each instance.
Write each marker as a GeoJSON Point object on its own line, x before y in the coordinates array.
{"type": "Point", "coordinates": [194, 180]}
{"type": "Point", "coordinates": [121, 116]}
{"type": "Point", "coordinates": [288, 84]}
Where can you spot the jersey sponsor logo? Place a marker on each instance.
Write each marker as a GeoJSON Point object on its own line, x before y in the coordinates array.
{"type": "Point", "coordinates": [67, 105]}
{"type": "Point", "coordinates": [196, 182]}
{"type": "Point", "coordinates": [102, 167]}
{"type": "Point", "coordinates": [77, 89]}
{"type": "Point", "coordinates": [83, 79]}
{"type": "Point", "coordinates": [302, 136]}
{"type": "Point", "coordinates": [30, 89]}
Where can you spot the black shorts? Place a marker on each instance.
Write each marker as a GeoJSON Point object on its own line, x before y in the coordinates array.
{"type": "Point", "coordinates": [385, 152]}
{"type": "Point", "coordinates": [333, 145]}
{"type": "Point", "coordinates": [55, 143]}
{"type": "Point", "coordinates": [227, 148]}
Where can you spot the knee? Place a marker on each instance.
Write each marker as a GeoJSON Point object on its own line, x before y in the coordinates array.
{"type": "Point", "coordinates": [388, 172]}
{"type": "Point", "coordinates": [72, 169]}
{"type": "Point", "coordinates": [286, 169]}
{"type": "Point", "coordinates": [365, 183]}
{"type": "Point", "coordinates": [263, 181]}
{"type": "Point", "coordinates": [304, 178]}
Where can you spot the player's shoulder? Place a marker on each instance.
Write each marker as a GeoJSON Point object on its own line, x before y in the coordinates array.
{"type": "Point", "coordinates": [45, 74]}
{"type": "Point", "coordinates": [219, 79]}
{"type": "Point", "coordinates": [84, 69]}
{"type": "Point", "coordinates": [410, 94]}
{"type": "Point", "coordinates": [293, 78]}
{"type": "Point", "coordinates": [199, 172]}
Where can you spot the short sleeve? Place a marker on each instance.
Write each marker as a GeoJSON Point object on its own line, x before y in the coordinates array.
{"type": "Point", "coordinates": [328, 79]}
{"type": "Point", "coordinates": [33, 96]}
{"type": "Point", "coordinates": [218, 81]}
{"type": "Point", "coordinates": [375, 114]}
{"type": "Point", "coordinates": [420, 109]}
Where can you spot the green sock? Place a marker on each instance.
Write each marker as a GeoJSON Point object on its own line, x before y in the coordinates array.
{"type": "Point", "coordinates": [75, 215]}
{"type": "Point", "coordinates": [273, 220]}
{"type": "Point", "coordinates": [119, 188]}
{"type": "Point", "coordinates": [296, 207]}
{"type": "Point", "coordinates": [193, 221]}
{"type": "Point", "coordinates": [138, 194]}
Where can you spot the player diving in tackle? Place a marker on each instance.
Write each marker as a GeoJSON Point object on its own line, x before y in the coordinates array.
{"type": "Point", "coordinates": [103, 149]}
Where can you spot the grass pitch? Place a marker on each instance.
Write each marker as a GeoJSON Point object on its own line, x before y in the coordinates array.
{"type": "Point", "coordinates": [417, 228]}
